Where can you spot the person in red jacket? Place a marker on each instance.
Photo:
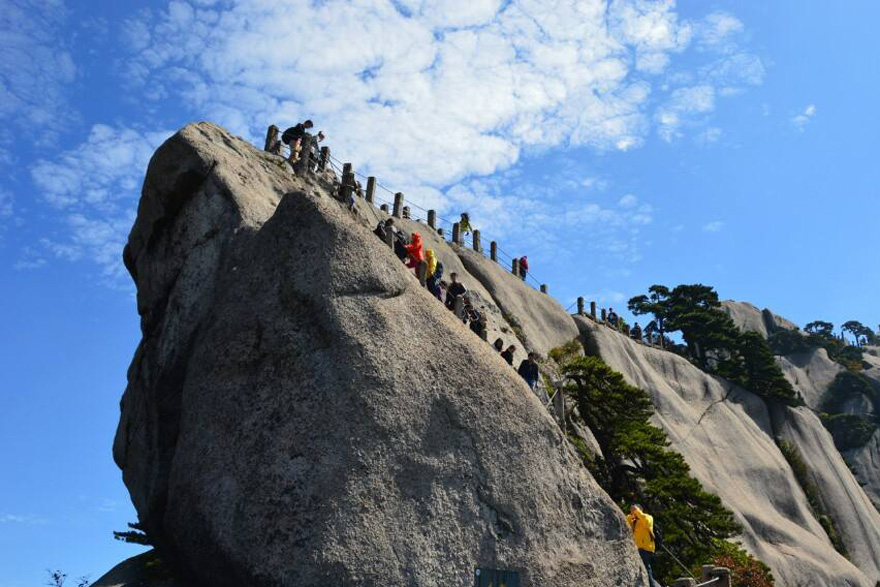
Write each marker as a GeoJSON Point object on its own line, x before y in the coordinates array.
{"type": "Point", "coordinates": [523, 267]}
{"type": "Point", "coordinates": [414, 251]}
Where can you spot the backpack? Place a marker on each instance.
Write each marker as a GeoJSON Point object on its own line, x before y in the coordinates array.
{"type": "Point", "coordinates": [438, 272]}
{"type": "Point", "coordinates": [658, 539]}
{"type": "Point", "coordinates": [291, 134]}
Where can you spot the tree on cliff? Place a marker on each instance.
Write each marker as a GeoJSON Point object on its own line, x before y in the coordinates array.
{"type": "Point", "coordinates": [654, 303]}
{"type": "Point", "coordinates": [713, 341]}
{"type": "Point", "coordinates": [859, 332]}
{"type": "Point", "coordinates": [638, 466]}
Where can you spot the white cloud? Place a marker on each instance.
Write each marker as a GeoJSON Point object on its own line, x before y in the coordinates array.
{"type": "Point", "coordinates": [96, 185]}
{"type": "Point", "coordinates": [683, 103]}
{"type": "Point", "coordinates": [714, 226]}
{"type": "Point", "coordinates": [718, 30]}
{"type": "Point", "coordinates": [801, 121]}
{"type": "Point", "coordinates": [35, 70]}
{"type": "Point", "coordinates": [429, 96]}
{"type": "Point", "coordinates": [628, 201]}
{"type": "Point", "coordinates": [21, 519]}
{"type": "Point", "coordinates": [708, 136]}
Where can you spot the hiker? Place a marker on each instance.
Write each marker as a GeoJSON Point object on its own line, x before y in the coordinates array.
{"type": "Point", "coordinates": [453, 290]}
{"type": "Point", "coordinates": [507, 355]}
{"type": "Point", "coordinates": [636, 332]}
{"type": "Point", "coordinates": [498, 345]}
{"type": "Point", "coordinates": [528, 370]}
{"type": "Point", "coordinates": [406, 213]}
{"type": "Point", "coordinates": [383, 227]}
{"type": "Point", "coordinates": [400, 246]}
{"type": "Point", "coordinates": [642, 526]}
{"type": "Point", "coordinates": [315, 155]}
{"type": "Point", "coordinates": [436, 273]}
{"type": "Point", "coordinates": [292, 137]}
{"type": "Point", "coordinates": [464, 225]}
{"type": "Point", "coordinates": [414, 251]}
{"type": "Point", "coordinates": [478, 320]}
{"type": "Point", "coordinates": [612, 317]}
{"type": "Point", "coordinates": [523, 267]}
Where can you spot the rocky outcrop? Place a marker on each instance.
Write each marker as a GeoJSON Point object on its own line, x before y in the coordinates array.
{"type": "Point", "coordinates": [865, 461]}
{"type": "Point", "coordinates": [748, 317]}
{"type": "Point", "coordinates": [544, 323]}
{"type": "Point", "coordinates": [726, 435]}
{"type": "Point", "coordinates": [138, 571]}
{"type": "Point", "coordinates": [811, 373]}
{"type": "Point", "coordinates": [300, 412]}
{"type": "Point", "coordinates": [841, 498]}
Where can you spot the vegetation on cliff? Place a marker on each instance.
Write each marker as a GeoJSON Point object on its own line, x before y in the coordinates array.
{"type": "Point", "coordinates": [637, 465]}
{"type": "Point", "coordinates": [712, 340]}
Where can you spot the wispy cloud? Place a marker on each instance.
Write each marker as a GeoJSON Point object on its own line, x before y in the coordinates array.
{"type": "Point", "coordinates": [6, 203]}
{"type": "Point", "coordinates": [28, 519]}
{"type": "Point", "coordinates": [35, 71]}
{"type": "Point", "coordinates": [801, 121]}
{"type": "Point", "coordinates": [95, 186]}
{"type": "Point", "coordinates": [451, 91]}
{"type": "Point", "coordinates": [714, 226]}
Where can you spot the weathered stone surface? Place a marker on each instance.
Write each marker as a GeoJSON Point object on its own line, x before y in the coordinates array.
{"type": "Point", "coordinates": [749, 317]}
{"type": "Point", "coordinates": [810, 372]}
{"type": "Point", "coordinates": [300, 412]}
{"type": "Point", "coordinates": [726, 435]}
{"type": "Point", "coordinates": [133, 572]}
{"type": "Point", "coordinates": [856, 519]}
{"type": "Point", "coordinates": [545, 324]}
{"type": "Point", "coordinates": [866, 463]}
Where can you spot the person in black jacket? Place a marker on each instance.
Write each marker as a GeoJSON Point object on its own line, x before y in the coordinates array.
{"type": "Point", "coordinates": [293, 135]}
{"type": "Point", "coordinates": [507, 355]}
{"type": "Point", "coordinates": [453, 290]}
{"type": "Point", "coordinates": [528, 370]}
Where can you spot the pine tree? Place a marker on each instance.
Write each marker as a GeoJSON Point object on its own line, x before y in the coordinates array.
{"type": "Point", "coordinates": [638, 466]}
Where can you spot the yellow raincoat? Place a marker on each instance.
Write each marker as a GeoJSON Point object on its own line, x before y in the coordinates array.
{"type": "Point", "coordinates": [642, 526]}
{"type": "Point", "coordinates": [432, 262]}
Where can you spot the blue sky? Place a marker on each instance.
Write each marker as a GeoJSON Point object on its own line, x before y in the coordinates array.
{"type": "Point", "coordinates": [618, 145]}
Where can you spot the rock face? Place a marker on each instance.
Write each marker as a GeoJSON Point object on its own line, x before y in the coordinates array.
{"type": "Point", "coordinates": [300, 412]}
{"type": "Point", "coordinates": [866, 459]}
{"type": "Point", "coordinates": [810, 372]}
{"type": "Point", "coordinates": [749, 317]}
{"type": "Point", "coordinates": [545, 324]}
{"type": "Point", "coordinates": [726, 435]}
{"type": "Point", "coordinates": [857, 521]}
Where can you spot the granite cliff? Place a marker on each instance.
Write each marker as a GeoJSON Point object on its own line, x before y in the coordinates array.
{"type": "Point", "coordinates": [301, 412]}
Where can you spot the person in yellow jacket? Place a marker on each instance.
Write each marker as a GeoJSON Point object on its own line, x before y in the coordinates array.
{"type": "Point", "coordinates": [642, 526]}
{"type": "Point", "coordinates": [432, 262]}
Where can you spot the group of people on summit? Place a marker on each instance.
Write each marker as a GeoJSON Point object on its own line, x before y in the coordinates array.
{"type": "Point", "coordinates": [411, 251]}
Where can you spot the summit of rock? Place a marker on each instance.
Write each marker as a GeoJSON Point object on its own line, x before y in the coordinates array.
{"type": "Point", "coordinates": [301, 412]}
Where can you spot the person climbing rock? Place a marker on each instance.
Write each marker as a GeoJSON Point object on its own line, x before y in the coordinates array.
{"type": "Point", "coordinates": [507, 355]}
{"type": "Point", "coordinates": [453, 290]}
{"type": "Point", "coordinates": [642, 526]}
{"type": "Point", "coordinates": [414, 251]}
{"type": "Point", "coordinates": [613, 318]}
{"type": "Point", "coordinates": [293, 135]}
{"type": "Point", "coordinates": [636, 332]}
{"type": "Point", "coordinates": [523, 267]}
{"type": "Point", "coordinates": [498, 345]}
{"type": "Point", "coordinates": [383, 227]}
{"type": "Point", "coordinates": [528, 370]}
{"type": "Point", "coordinates": [464, 225]}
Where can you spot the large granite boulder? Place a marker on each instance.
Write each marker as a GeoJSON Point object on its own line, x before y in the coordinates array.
{"type": "Point", "coordinates": [726, 435]}
{"type": "Point", "coordinates": [300, 412]}
{"type": "Point", "coordinates": [749, 317]}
